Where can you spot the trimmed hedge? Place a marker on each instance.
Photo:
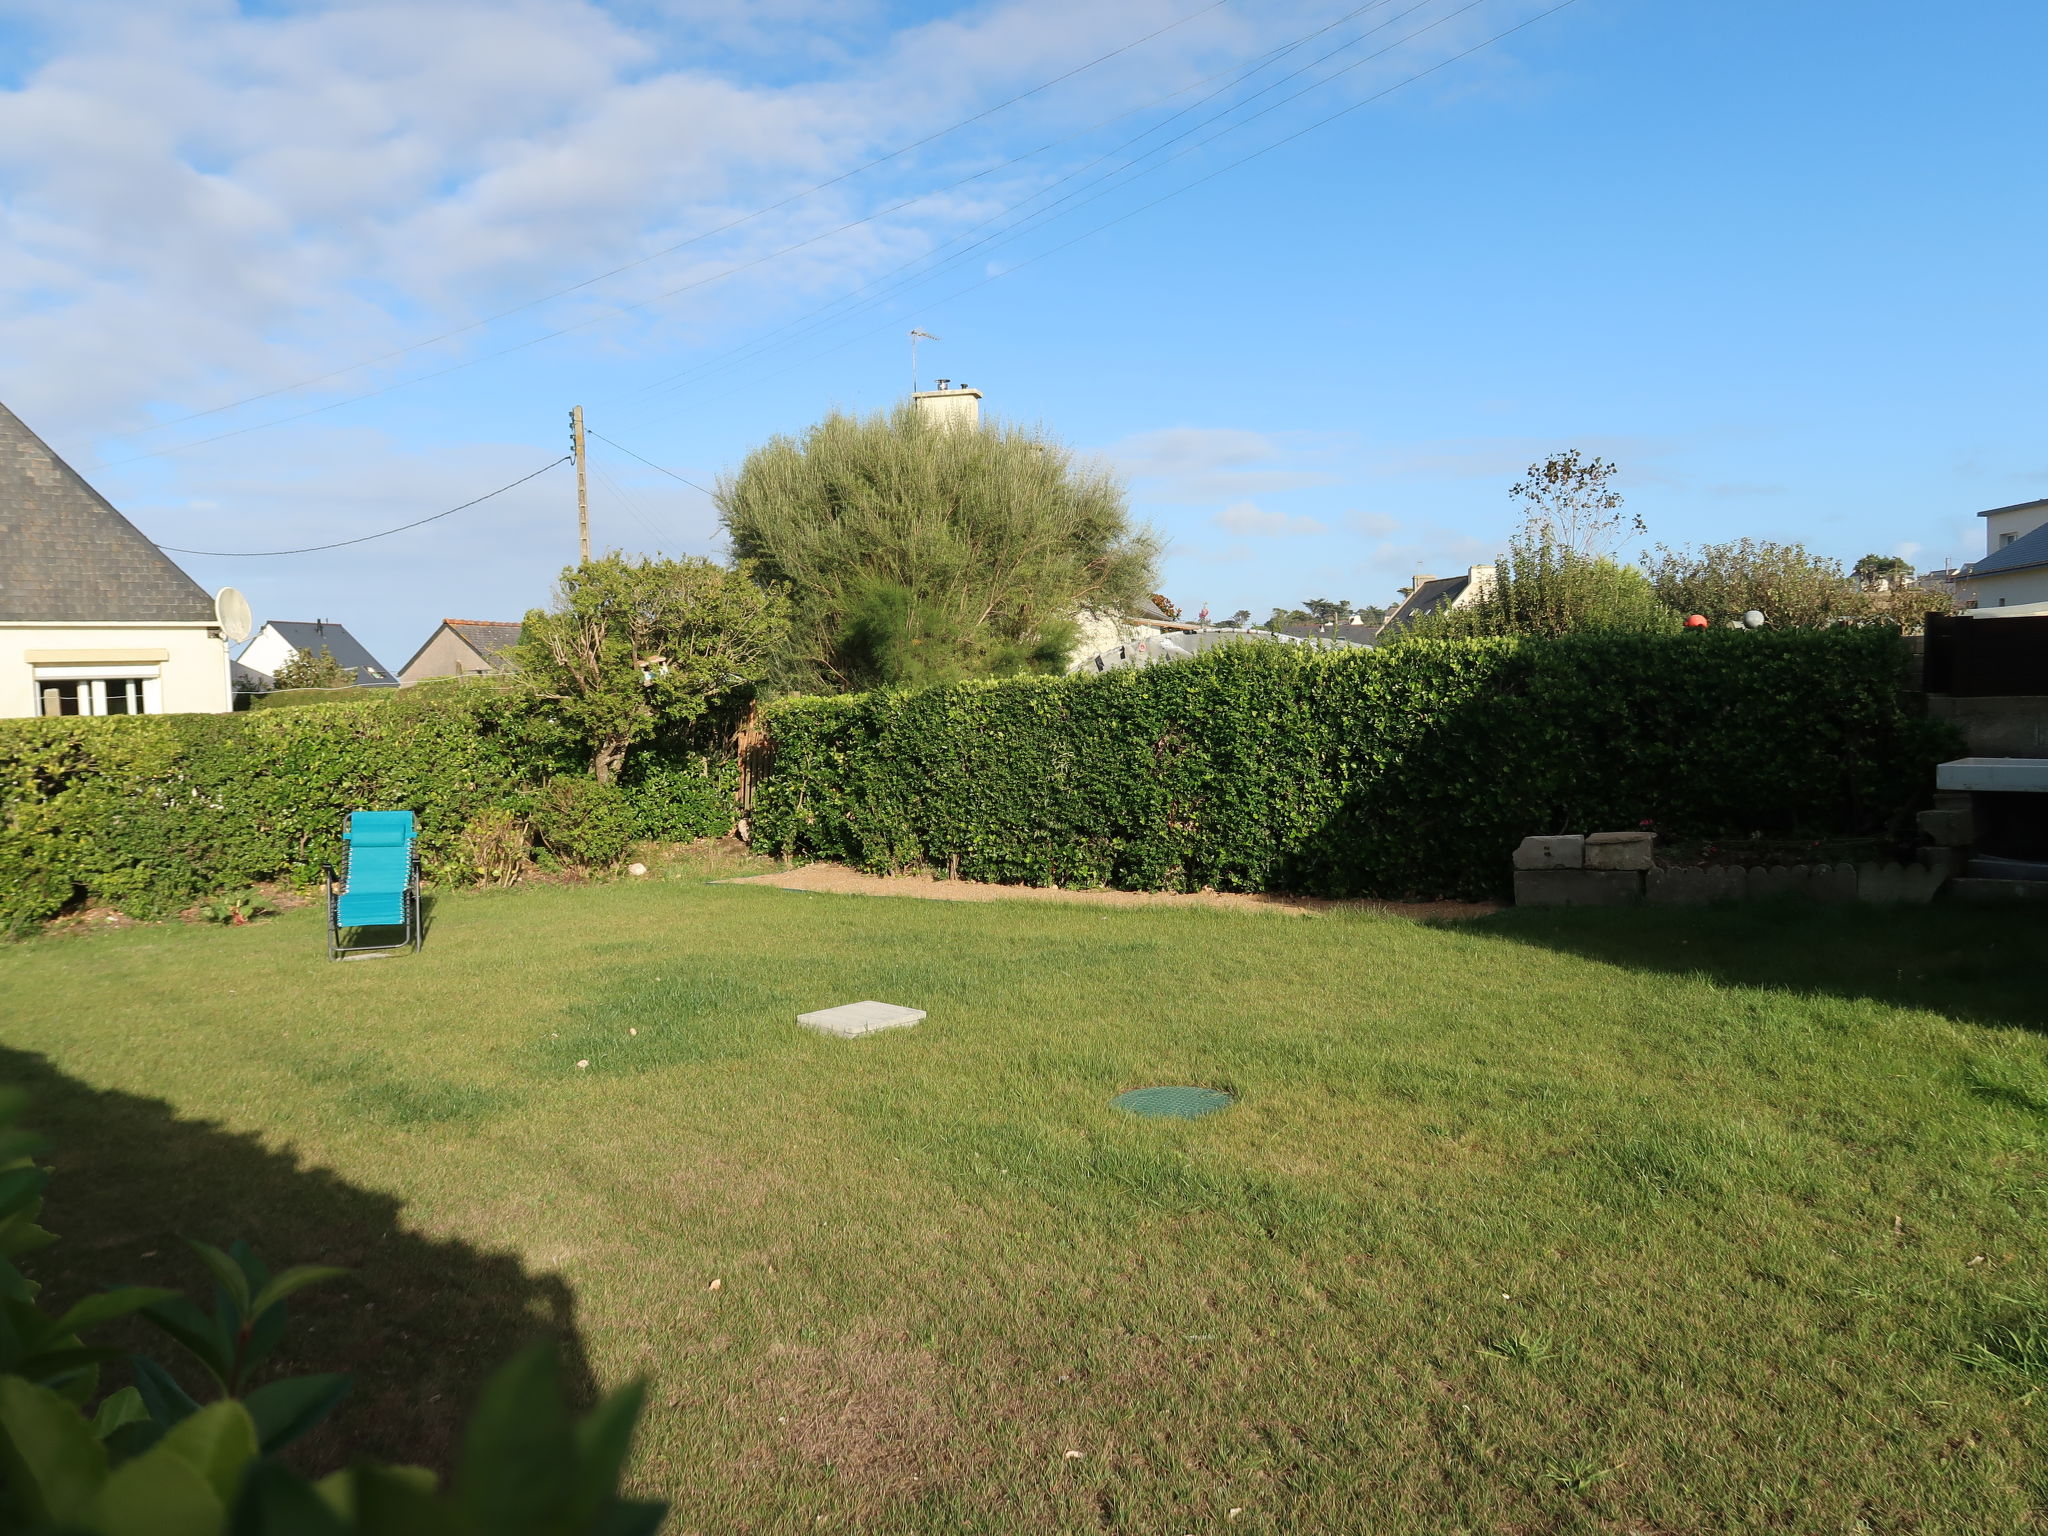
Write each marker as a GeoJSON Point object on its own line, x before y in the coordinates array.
{"type": "Point", "coordinates": [149, 813]}
{"type": "Point", "coordinates": [1409, 771]}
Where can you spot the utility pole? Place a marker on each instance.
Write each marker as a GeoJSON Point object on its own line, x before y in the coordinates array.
{"type": "Point", "coordinates": [582, 487]}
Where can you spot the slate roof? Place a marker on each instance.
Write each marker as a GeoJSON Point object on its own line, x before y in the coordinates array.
{"type": "Point", "coordinates": [488, 638]}
{"type": "Point", "coordinates": [1431, 595]}
{"type": "Point", "coordinates": [2023, 553]}
{"type": "Point", "coordinates": [309, 635]}
{"type": "Point", "coordinates": [67, 556]}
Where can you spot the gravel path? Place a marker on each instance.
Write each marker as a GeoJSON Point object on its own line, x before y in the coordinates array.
{"type": "Point", "coordinates": [838, 880]}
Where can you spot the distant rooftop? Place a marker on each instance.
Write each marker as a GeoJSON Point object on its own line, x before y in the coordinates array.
{"type": "Point", "coordinates": [2018, 506]}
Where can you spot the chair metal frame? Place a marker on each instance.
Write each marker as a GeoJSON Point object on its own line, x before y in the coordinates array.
{"type": "Point", "coordinates": [336, 950]}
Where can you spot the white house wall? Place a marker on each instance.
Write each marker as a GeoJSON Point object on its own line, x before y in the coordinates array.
{"type": "Point", "coordinates": [191, 662]}
{"type": "Point", "coordinates": [2003, 528]}
{"type": "Point", "coordinates": [2006, 589]}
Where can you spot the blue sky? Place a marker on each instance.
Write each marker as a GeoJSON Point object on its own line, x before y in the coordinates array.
{"type": "Point", "coordinates": [1781, 263]}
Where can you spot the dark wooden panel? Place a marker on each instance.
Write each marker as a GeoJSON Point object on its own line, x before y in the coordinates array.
{"type": "Point", "coordinates": [1985, 658]}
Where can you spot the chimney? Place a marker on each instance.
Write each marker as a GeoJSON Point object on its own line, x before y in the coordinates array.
{"type": "Point", "coordinates": [949, 407]}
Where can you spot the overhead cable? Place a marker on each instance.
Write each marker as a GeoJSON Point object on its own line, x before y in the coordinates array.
{"type": "Point", "coordinates": [313, 549]}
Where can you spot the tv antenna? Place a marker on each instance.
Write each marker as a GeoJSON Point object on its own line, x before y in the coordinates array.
{"type": "Point", "coordinates": [915, 337]}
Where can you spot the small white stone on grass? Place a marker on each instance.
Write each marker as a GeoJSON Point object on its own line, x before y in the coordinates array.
{"type": "Point", "coordinates": [864, 1018]}
{"type": "Point", "coordinates": [636, 869]}
{"type": "Point", "coordinates": [582, 1063]}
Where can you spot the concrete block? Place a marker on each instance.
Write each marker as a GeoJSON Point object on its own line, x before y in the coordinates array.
{"type": "Point", "coordinates": [1977, 888]}
{"type": "Point", "coordinates": [2008, 775]}
{"type": "Point", "coordinates": [1761, 883]}
{"type": "Point", "coordinates": [1833, 882]}
{"type": "Point", "coordinates": [1577, 888]}
{"type": "Point", "coordinates": [1691, 887]}
{"type": "Point", "coordinates": [1944, 861]}
{"type": "Point", "coordinates": [1552, 852]}
{"type": "Point", "coordinates": [1948, 829]}
{"type": "Point", "coordinates": [1895, 884]}
{"type": "Point", "coordinates": [849, 1020]}
{"type": "Point", "coordinates": [1951, 799]}
{"type": "Point", "coordinates": [1621, 850]}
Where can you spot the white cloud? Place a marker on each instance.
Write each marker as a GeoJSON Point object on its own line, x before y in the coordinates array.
{"type": "Point", "coordinates": [1196, 464]}
{"type": "Point", "coordinates": [1249, 519]}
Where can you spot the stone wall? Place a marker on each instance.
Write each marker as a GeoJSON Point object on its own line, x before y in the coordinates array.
{"type": "Point", "coordinates": [1619, 869]}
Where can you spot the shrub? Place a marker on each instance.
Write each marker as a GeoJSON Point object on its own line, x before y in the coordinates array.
{"type": "Point", "coordinates": [584, 822]}
{"type": "Point", "coordinates": [151, 813]}
{"type": "Point", "coordinates": [676, 802]}
{"type": "Point", "coordinates": [493, 847]}
{"type": "Point", "coordinates": [1413, 770]}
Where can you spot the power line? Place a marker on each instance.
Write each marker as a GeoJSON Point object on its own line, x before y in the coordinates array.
{"type": "Point", "coordinates": [311, 549]}
{"type": "Point", "coordinates": [638, 261]}
{"type": "Point", "coordinates": [693, 485]}
{"type": "Point", "coordinates": [1187, 187]}
{"type": "Point", "coordinates": [1043, 215]}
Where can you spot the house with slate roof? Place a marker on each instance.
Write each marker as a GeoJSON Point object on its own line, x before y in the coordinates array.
{"type": "Point", "coordinates": [94, 618]}
{"type": "Point", "coordinates": [463, 648]}
{"type": "Point", "coordinates": [280, 641]}
{"type": "Point", "coordinates": [1432, 594]}
{"type": "Point", "coordinates": [2014, 570]}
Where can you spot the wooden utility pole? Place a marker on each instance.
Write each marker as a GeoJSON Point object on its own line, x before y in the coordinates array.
{"type": "Point", "coordinates": [582, 487]}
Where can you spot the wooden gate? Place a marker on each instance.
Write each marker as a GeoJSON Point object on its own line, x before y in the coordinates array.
{"type": "Point", "coordinates": [1986, 658]}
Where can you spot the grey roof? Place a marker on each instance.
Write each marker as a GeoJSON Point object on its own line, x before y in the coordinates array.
{"type": "Point", "coordinates": [2018, 506]}
{"type": "Point", "coordinates": [2023, 553]}
{"type": "Point", "coordinates": [491, 639]}
{"type": "Point", "coordinates": [1437, 592]}
{"type": "Point", "coordinates": [311, 635]}
{"type": "Point", "coordinates": [67, 556]}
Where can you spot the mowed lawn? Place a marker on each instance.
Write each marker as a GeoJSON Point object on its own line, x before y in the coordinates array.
{"type": "Point", "coordinates": [1571, 1222]}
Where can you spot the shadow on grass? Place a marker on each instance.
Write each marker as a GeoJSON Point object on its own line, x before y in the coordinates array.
{"type": "Point", "coordinates": [420, 1322]}
{"type": "Point", "coordinates": [1978, 964]}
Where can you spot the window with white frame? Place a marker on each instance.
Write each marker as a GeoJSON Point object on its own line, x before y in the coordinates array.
{"type": "Point", "coordinates": [98, 690]}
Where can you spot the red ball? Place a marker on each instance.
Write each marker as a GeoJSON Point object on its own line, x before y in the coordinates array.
{"type": "Point", "coordinates": [1695, 621]}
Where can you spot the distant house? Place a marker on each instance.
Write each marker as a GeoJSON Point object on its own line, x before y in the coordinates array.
{"type": "Point", "coordinates": [281, 640]}
{"type": "Point", "coordinates": [1434, 594]}
{"type": "Point", "coordinates": [2014, 570]}
{"type": "Point", "coordinates": [463, 648]}
{"type": "Point", "coordinates": [94, 618]}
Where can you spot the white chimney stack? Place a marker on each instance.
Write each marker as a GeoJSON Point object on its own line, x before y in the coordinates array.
{"type": "Point", "coordinates": [949, 407]}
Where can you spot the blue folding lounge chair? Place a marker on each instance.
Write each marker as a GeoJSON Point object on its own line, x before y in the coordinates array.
{"type": "Point", "coordinates": [379, 886]}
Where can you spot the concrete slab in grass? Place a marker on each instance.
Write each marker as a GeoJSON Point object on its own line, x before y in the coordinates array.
{"type": "Point", "coordinates": [851, 1019]}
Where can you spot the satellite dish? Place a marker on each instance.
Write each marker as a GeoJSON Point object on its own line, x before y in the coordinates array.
{"type": "Point", "coordinates": [232, 609]}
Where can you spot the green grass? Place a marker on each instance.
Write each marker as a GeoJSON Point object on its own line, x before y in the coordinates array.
{"type": "Point", "coordinates": [1553, 1222]}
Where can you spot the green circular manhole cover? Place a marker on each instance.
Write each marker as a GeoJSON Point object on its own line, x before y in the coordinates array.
{"type": "Point", "coordinates": [1173, 1103]}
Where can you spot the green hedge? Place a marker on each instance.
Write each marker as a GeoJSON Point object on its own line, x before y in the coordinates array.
{"type": "Point", "coordinates": [152, 812]}
{"type": "Point", "coordinates": [1409, 771]}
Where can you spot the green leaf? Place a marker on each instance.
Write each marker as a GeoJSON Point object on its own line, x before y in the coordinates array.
{"type": "Point", "coordinates": [274, 1502]}
{"type": "Point", "coordinates": [108, 1305]}
{"type": "Point", "coordinates": [603, 1441]}
{"type": "Point", "coordinates": [167, 1402]}
{"type": "Point", "coordinates": [519, 1460]}
{"type": "Point", "coordinates": [203, 1337]}
{"type": "Point", "coordinates": [400, 1501]}
{"type": "Point", "coordinates": [121, 1408]}
{"type": "Point", "coordinates": [285, 1410]}
{"type": "Point", "coordinates": [21, 1187]}
{"type": "Point", "coordinates": [297, 1278]}
{"type": "Point", "coordinates": [158, 1494]}
{"type": "Point", "coordinates": [226, 1272]}
{"type": "Point", "coordinates": [50, 1366]}
{"type": "Point", "coordinates": [54, 1463]}
{"type": "Point", "coordinates": [219, 1441]}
